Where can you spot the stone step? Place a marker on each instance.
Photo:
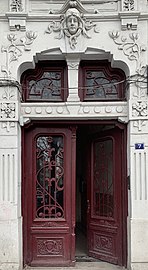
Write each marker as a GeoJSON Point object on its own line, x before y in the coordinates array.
{"type": "Point", "coordinates": [82, 266]}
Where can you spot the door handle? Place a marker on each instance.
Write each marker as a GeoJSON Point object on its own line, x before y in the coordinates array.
{"type": "Point", "coordinates": [88, 206]}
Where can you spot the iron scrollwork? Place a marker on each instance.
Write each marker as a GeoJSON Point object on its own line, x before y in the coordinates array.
{"type": "Point", "coordinates": [49, 177]}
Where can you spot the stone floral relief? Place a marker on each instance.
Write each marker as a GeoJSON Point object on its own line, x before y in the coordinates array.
{"type": "Point", "coordinates": [8, 110]}
{"type": "Point", "coordinates": [16, 6]}
{"type": "Point", "coordinates": [8, 125]}
{"type": "Point", "coordinates": [72, 25]}
{"type": "Point", "coordinates": [8, 94]}
{"type": "Point", "coordinates": [131, 48]}
{"type": "Point", "coordinates": [15, 49]}
{"type": "Point", "coordinates": [139, 124]}
{"type": "Point", "coordinates": [129, 5]}
{"type": "Point", "coordinates": [139, 109]}
{"type": "Point", "coordinates": [140, 93]}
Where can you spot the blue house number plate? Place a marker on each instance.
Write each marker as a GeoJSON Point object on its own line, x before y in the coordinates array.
{"type": "Point", "coordinates": [139, 145]}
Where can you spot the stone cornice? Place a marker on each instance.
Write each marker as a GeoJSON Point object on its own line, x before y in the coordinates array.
{"type": "Point", "coordinates": [76, 110]}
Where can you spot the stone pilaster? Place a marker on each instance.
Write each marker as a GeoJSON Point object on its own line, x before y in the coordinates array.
{"type": "Point", "coordinates": [73, 65]}
{"type": "Point", "coordinates": [10, 186]}
{"type": "Point", "coordinates": [138, 152]}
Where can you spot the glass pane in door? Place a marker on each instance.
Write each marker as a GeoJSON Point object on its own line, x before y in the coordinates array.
{"type": "Point", "coordinates": [49, 177]}
{"type": "Point", "coordinates": [103, 178]}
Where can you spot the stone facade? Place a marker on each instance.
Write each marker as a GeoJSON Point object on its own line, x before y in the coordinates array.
{"type": "Point", "coordinates": [33, 30]}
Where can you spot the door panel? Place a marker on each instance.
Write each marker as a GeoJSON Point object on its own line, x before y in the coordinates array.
{"type": "Point", "coordinates": [104, 197]}
{"type": "Point", "coordinates": [49, 214]}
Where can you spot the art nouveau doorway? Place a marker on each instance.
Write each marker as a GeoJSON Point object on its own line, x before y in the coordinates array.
{"type": "Point", "coordinates": [73, 180]}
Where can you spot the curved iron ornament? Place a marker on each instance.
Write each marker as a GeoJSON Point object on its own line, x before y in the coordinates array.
{"type": "Point", "coordinates": [49, 177]}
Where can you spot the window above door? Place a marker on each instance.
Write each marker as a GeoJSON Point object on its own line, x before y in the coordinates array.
{"type": "Point", "coordinates": [47, 82]}
{"type": "Point", "coordinates": [99, 81]}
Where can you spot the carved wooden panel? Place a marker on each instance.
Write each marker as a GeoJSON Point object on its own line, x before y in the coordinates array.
{"type": "Point", "coordinates": [103, 243]}
{"type": "Point", "coordinates": [49, 246]}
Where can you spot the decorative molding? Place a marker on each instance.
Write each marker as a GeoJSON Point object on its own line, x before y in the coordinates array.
{"type": "Point", "coordinates": [49, 247]}
{"type": "Point", "coordinates": [7, 110]}
{"type": "Point", "coordinates": [16, 6]}
{"type": "Point", "coordinates": [139, 109]}
{"type": "Point", "coordinates": [140, 171]}
{"type": "Point", "coordinates": [73, 65]}
{"type": "Point", "coordinates": [129, 20]}
{"type": "Point", "coordinates": [130, 47]}
{"type": "Point", "coordinates": [17, 21]}
{"type": "Point", "coordinates": [8, 183]}
{"type": "Point", "coordinates": [72, 4]}
{"type": "Point", "coordinates": [8, 125]}
{"type": "Point", "coordinates": [139, 124]}
{"type": "Point", "coordinates": [140, 93]}
{"type": "Point", "coordinates": [72, 25]}
{"type": "Point", "coordinates": [8, 94]}
{"type": "Point", "coordinates": [14, 50]}
{"type": "Point", "coordinates": [74, 109]}
{"type": "Point", "coordinates": [129, 5]}
{"type": "Point", "coordinates": [103, 243]}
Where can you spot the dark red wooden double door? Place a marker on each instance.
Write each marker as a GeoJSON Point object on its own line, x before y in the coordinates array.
{"type": "Point", "coordinates": [49, 180]}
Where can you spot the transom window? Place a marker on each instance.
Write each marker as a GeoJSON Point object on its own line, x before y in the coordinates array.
{"type": "Point", "coordinates": [47, 82]}
{"type": "Point", "coordinates": [98, 81]}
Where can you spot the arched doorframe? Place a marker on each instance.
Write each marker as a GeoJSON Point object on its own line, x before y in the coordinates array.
{"type": "Point", "coordinates": [50, 54]}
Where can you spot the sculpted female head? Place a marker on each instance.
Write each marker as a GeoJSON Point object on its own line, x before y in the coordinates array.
{"type": "Point", "coordinates": [72, 20]}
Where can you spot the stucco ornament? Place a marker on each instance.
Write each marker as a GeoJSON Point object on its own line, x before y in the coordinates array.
{"type": "Point", "coordinates": [140, 109]}
{"type": "Point", "coordinates": [72, 25]}
{"type": "Point", "coordinates": [15, 49]}
{"type": "Point", "coordinates": [8, 125]}
{"type": "Point", "coordinates": [139, 124]}
{"type": "Point", "coordinates": [129, 5]}
{"type": "Point", "coordinates": [8, 110]}
{"type": "Point", "coordinates": [131, 48]}
{"type": "Point", "coordinates": [16, 6]}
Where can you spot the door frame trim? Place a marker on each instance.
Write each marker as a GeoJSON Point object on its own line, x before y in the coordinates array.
{"type": "Point", "coordinates": [74, 123]}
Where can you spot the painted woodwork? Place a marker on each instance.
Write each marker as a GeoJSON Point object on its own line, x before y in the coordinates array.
{"type": "Point", "coordinates": [49, 224]}
{"type": "Point", "coordinates": [105, 219]}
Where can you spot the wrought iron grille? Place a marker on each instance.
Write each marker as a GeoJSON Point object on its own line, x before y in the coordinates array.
{"type": "Point", "coordinates": [49, 177]}
{"type": "Point", "coordinates": [98, 81]}
{"type": "Point", "coordinates": [98, 86]}
{"type": "Point", "coordinates": [45, 88]}
{"type": "Point", "coordinates": [103, 179]}
{"type": "Point", "coordinates": [47, 82]}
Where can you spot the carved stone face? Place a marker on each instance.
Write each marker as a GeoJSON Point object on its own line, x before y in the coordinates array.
{"type": "Point", "coordinates": [72, 24]}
